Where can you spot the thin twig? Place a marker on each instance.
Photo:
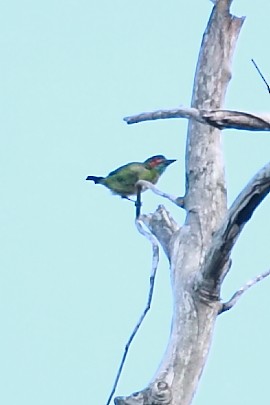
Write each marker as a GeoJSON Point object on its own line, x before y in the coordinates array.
{"type": "Point", "coordinates": [155, 260]}
{"type": "Point", "coordinates": [260, 73]}
{"type": "Point", "coordinates": [228, 305]}
{"type": "Point", "coordinates": [179, 201]}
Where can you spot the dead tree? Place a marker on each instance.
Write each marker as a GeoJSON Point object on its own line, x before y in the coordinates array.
{"type": "Point", "coordinates": [199, 251]}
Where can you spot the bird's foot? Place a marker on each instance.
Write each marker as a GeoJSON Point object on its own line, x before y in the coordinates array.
{"type": "Point", "coordinates": [137, 202]}
{"type": "Point", "coordinates": [127, 198]}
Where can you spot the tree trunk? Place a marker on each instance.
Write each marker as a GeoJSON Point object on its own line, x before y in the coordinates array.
{"type": "Point", "coordinates": [199, 252]}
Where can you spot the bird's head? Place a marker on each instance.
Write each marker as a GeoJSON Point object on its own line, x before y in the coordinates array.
{"type": "Point", "coordinates": [158, 162]}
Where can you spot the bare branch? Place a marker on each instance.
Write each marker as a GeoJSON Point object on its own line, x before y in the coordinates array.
{"type": "Point", "coordinates": [228, 305]}
{"type": "Point", "coordinates": [222, 119]}
{"type": "Point", "coordinates": [138, 202]}
{"type": "Point", "coordinates": [181, 112]}
{"type": "Point", "coordinates": [179, 201]}
{"type": "Point", "coordinates": [155, 260]}
{"type": "Point", "coordinates": [239, 214]}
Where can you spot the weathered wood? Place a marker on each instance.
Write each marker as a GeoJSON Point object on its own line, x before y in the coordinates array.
{"type": "Point", "coordinates": [221, 119]}
{"type": "Point", "coordinates": [195, 308]}
{"type": "Point", "coordinates": [239, 214]}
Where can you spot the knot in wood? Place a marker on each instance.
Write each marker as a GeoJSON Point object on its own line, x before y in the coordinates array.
{"type": "Point", "coordinates": [160, 393]}
{"type": "Point", "coordinates": [207, 296]}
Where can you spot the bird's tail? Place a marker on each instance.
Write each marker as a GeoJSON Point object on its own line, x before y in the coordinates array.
{"type": "Point", "coordinates": [96, 179]}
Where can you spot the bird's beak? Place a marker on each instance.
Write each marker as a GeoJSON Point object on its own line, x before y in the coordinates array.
{"type": "Point", "coordinates": [170, 161]}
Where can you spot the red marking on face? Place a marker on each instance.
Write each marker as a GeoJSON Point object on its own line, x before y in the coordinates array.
{"type": "Point", "coordinates": [156, 161]}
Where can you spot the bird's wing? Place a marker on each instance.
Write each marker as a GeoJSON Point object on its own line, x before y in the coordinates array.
{"type": "Point", "coordinates": [123, 180]}
{"type": "Point", "coordinates": [129, 166]}
{"type": "Point", "coordinates": [127, 174]}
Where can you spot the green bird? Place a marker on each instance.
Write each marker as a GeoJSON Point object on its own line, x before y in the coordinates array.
{"type": "Point", "coordinates": [122, 181]}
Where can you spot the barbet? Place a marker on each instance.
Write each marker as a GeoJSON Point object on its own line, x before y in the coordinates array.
{"type": "Point", "coordinates": [122, 181]}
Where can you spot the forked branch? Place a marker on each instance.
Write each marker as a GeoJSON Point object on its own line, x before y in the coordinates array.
{"type": "Point", "coordinates": [163, 226]}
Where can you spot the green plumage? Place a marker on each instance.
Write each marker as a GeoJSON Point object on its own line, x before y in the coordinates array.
{"type": "Point", "coordinates": [122, 181]}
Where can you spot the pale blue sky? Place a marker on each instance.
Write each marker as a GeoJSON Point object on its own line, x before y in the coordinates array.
{"type": "Point", "coordinates": [74, 271]}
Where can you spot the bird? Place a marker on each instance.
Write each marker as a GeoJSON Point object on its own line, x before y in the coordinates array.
{"type": "Point", "coordinates": [122, 181]}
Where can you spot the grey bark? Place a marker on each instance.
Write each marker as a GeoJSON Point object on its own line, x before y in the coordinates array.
{"type": "Point", "coordinates": [199, 251]}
